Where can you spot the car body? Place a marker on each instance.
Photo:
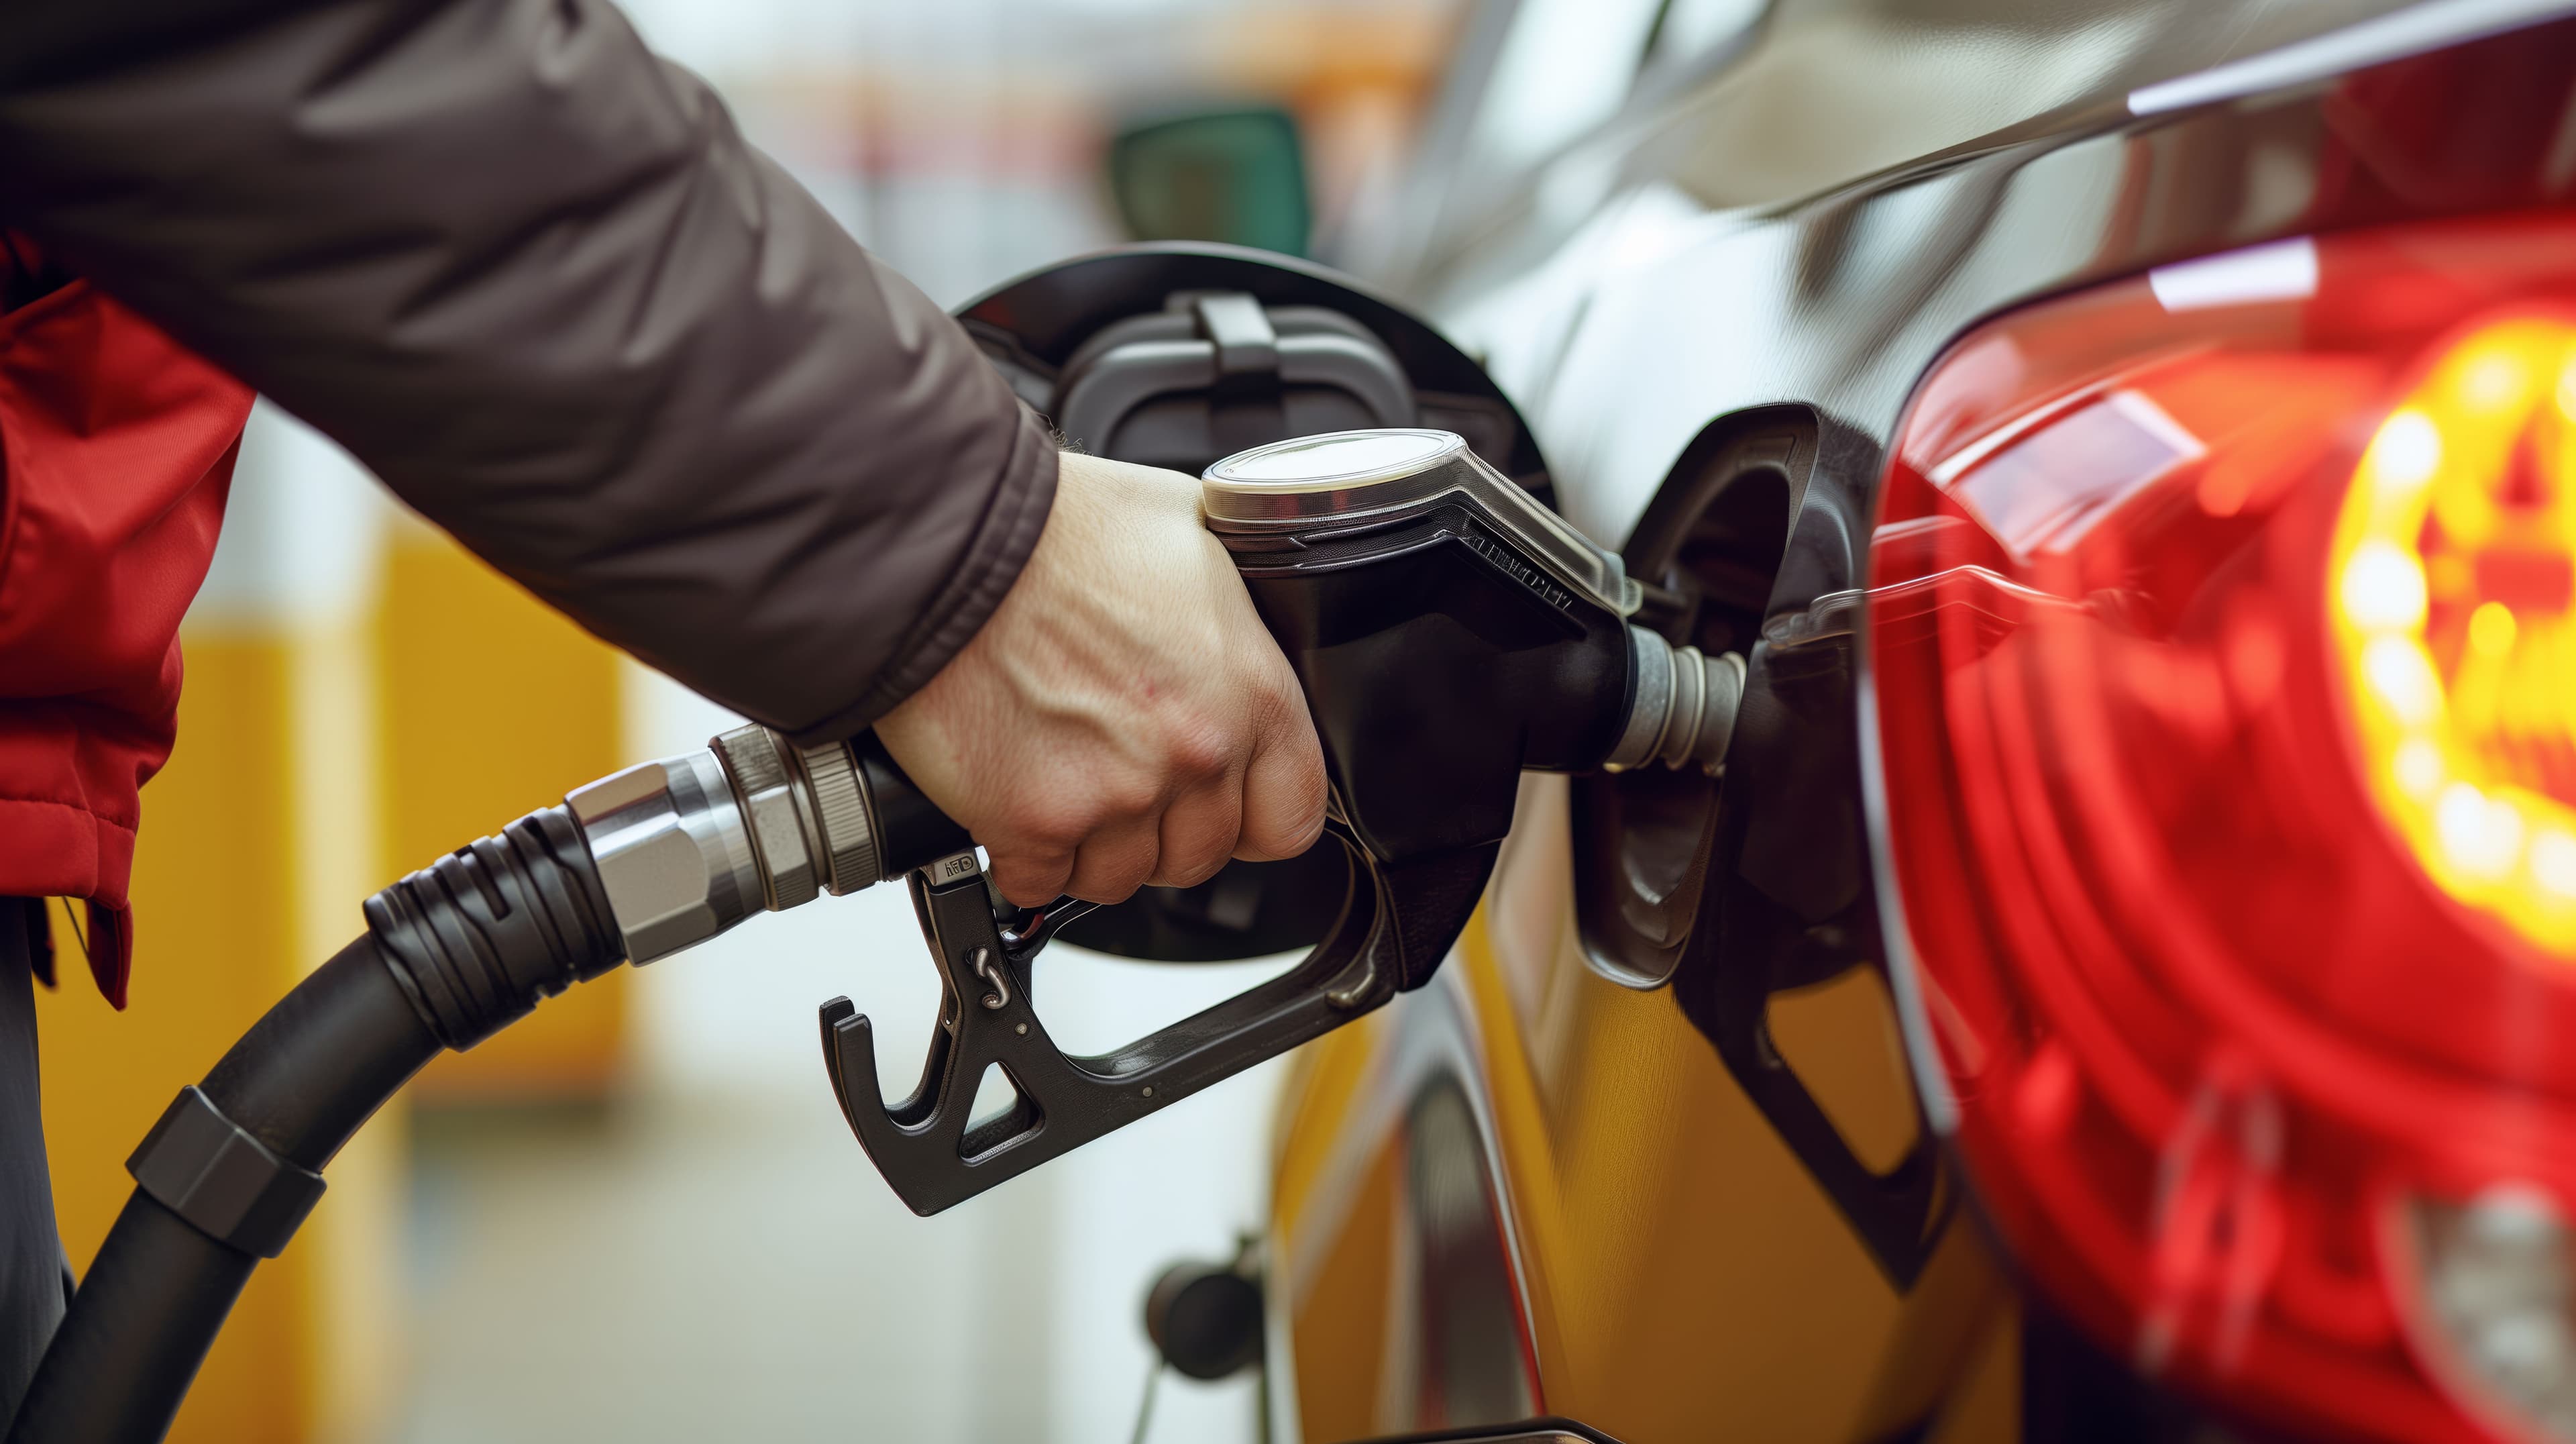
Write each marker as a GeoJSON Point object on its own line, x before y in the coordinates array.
{"type": "Point", "coordinates": [1661, 1154]}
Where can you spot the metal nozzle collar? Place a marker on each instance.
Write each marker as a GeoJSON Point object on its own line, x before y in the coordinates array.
{"type": "Point", "coordinates": [688, 846]}
{"type": "Point", "coordinates": [813, 825]}
{"type": "Point", "coordinates": [846, 815]}
{"type": "Point", "coordinates": [1685, 706]}
{"type": "Point", "coordinates": [784, 835]}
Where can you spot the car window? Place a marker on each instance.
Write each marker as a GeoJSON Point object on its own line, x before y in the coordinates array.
{"type": "Point", "coordinates": [1564, 67]}
{"type": "Point", "coordinates": [1689, 29]}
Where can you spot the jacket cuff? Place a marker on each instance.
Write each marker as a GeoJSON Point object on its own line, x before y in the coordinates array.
{"type": "Point", "coordinates": [992, 562]}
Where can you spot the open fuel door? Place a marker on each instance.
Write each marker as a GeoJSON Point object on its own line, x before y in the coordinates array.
{"type": "Point", "coordinates": [1175, 355]}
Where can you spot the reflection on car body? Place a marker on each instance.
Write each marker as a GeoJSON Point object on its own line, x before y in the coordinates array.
{"type": "Point", "coordinates": [1968, 367]}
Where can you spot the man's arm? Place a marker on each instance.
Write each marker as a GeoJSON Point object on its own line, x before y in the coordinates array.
{"type": "Point", "coordinates": [533, 277]}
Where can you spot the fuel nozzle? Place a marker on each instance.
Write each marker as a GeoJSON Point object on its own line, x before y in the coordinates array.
{"type": "Point", "coordinates": [1451, 633]}
{"type": "Point", "coordinates": [689, 846]}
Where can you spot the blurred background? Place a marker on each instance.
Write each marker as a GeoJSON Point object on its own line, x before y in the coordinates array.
{"type": "Point", "coordinates": [639, 1214]}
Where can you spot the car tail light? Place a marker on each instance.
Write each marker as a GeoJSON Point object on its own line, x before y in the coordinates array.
{"type": "Point", "coordinates": [2223, 649]}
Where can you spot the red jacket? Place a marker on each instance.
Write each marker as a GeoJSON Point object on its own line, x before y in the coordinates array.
{"type": "Point", "coordinates": [116, 451]}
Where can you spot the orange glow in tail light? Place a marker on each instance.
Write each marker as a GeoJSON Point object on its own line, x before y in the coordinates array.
{"type": "Point", "coordinates": [2449, 599]}
{"type": "Point", "coordinates": [2222, 651]}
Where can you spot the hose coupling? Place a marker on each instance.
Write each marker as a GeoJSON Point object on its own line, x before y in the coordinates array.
{"type": "Point", "coordinates": [688, 846]}
{"type": "Point", "coordinates": [1683, 713]}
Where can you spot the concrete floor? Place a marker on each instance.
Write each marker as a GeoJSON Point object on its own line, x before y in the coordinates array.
{"type": "Point", "coordinates": [714, 1258]}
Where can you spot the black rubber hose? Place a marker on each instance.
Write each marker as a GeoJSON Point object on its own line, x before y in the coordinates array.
{"type": "Point", "coordinates": [301, 1080]}
{"type": "Point", "coordinates": [151, 1306]}
{"type": "Point", "coordinates": [322, 1061]}
{"type": "Point", "coordinates": [453, 953]}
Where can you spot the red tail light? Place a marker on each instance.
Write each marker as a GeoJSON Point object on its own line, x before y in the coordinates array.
{"type": "Point", "coordinates": [2223, 642]}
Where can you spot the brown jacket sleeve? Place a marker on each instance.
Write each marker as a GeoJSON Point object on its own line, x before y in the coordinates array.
{"type": "Point", "coordinates": [533, 277]}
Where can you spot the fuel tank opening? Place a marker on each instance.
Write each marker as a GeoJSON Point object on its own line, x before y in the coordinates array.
{"type": "Point", "coordinates": [1709, 550]}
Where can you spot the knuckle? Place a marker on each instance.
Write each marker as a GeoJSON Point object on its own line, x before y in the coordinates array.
{"type": "Point", "coordinates": [1127, 800]}
{"type": "Point", "coordinates": [1199, 754]}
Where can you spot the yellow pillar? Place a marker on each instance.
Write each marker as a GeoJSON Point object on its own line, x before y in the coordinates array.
{"type": "Point", "coordinates": [361, 697]}
{"type": "Point", "coordinates": [493, 706]}
{"type": "Point", "coordinates": [259, 841]}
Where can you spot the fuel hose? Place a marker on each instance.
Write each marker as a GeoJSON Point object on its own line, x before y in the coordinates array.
{"type": "Point", "coordinates": [638, 865]}
{"type": "Point", "coordinates": [1454, 577]}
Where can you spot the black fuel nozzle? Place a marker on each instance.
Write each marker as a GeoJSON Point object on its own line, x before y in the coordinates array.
{"type": "Point", "coordinates": [1450, 634]}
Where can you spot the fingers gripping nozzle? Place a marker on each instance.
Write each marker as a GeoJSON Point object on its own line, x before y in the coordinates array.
{"type": "Point", "coordinates": [1450, 634]}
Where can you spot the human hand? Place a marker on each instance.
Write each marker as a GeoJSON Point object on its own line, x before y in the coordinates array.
{"type": "Point", "coordinates": [1123, 718]}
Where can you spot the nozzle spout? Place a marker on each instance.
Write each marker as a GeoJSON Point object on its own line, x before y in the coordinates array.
{"type": "Point", "coordinates": [1683, 711]}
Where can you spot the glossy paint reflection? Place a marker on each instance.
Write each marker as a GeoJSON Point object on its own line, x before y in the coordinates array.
{"type": "Point", "coordinates": [1809, 227]}
{"type": "Point", "coordinates": [1669, 1249]}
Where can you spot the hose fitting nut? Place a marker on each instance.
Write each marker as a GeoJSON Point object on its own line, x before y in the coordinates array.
{"type": "Point", "coordinates": [672, 851]}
